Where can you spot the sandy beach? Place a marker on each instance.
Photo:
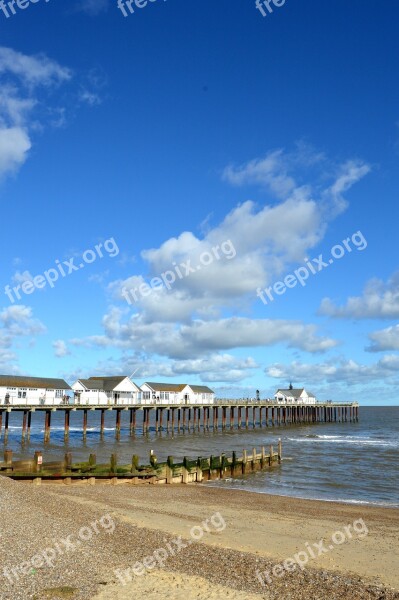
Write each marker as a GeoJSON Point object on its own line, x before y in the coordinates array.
{"type": "Point", "coordinates": [208, 543]}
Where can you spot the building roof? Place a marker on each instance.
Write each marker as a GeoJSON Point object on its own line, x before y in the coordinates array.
{"type": "Point", "coordinates": [295, 392]}
{"type": "Point", "coordinates": [109, 382]}
{"type": "Point", "coordinates": [33, 382]}
{"type": "Point", "coordinates": [165, 387]}
{"type": "Point", "coordinates": [103, 383]}
{"type": "Point", "coordinates": [201, 389]}
{"type": "Point", "coordinates": [89, 384]}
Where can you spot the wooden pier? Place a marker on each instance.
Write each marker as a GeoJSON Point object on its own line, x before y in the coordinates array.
{"type": "Point", "coordinates": [188, 471]}
{"type": "Point", "coordinates": [222, 415]}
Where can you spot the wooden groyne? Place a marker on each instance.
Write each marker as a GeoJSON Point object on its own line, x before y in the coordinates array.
{"type": "Point", "coordinates": [188, 471]}
{"type": "Point", "coordinates": [226, 414]}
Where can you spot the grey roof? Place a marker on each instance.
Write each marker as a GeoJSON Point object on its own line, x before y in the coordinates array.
{"type": "Point", "coordinates": [92, 385]}
{"type": "Point", "coordinates": [33, 382]}
{"type": "Point", "coordinates": [201, 389]}
{"type": "Point", "coordinates": [108, 383]}
{"type": "Point", "coordinates": [165, 387]}
{"type": "Point", "coordinates": [103, 383]}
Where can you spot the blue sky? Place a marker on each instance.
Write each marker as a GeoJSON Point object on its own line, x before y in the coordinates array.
{"type": "Point", "coordinates": [186, 126]}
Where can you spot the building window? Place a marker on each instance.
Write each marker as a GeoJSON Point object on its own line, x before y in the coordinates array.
{"type": "Point", "coordinates": [59, 393]}
{"type": "Point", "coordinates": [146, 395]}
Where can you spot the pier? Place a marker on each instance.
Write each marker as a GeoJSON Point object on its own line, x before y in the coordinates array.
{"type": "Point", "coordinates": [219, 416]}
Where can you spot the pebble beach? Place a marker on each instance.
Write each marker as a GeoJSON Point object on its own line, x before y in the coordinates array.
{"type": "Point", "coordinates": [89, 534]}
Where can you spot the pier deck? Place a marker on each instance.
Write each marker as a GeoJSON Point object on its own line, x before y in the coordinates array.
{"type": "Point", "coordinates": [222, 414]}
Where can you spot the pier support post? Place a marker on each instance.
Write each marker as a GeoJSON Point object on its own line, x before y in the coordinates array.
{"type": "Point", "coordinates": [254, 417]}
{"type": "Point", "coordinates": [156, 420]}
{"type": "Point", "coordinates": [118, 423]}
{"type": "Point", "coordinates": [161, 418]}
{"type": "Point", "coordinates": [84, 423]}
{"type": "Point", "coordinates": [47, 426]}
{"type": "Point", "coordinates": [184, 410]}
{"type": "Point", "coordinates": [6, 426]}
{"type": "Point", "coordinates": [66, 424]}
{"type": "Point", "coordinates": [195, 419]}
{"type": "Point", "coordinates": [246, 417]}
{"type": "Point", "coordinates": [239, 417]}
{"type": "Point", "coordinates": [24, 419]}
{"type": "Point", "coordinates": [132, 421]}
{"type": "Point", "coordinates": [102, 422]}
{"type": "Point", "coordinates": [29, 423]}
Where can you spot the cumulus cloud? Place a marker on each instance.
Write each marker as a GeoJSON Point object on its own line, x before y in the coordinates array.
{"type": "Point", "coordinates": [195, 318]}
{"type": "Point", "coordinates": [22, 78]}
{"type": "Point", "coordinates": [333, 371]}
{"type": "Point", "coordinates": [385, 339]}
{"type": "Point", "coordinates": [379, 301]}
{"type": "Point", "coordinates": [60, 348]}
{"type": "Point", "coordinates": [200, 337]}
{"type": "Point", "coordinates": [16, 322]}
{"type": "Point", "coordinates": [212, 368]}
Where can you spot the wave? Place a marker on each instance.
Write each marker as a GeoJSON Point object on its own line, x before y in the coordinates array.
{"type": "Point", "coordinates": [350, 439]}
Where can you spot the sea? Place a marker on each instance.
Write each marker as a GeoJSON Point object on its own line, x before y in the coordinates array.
{"type": "Point", "coordinates": [346, 462]}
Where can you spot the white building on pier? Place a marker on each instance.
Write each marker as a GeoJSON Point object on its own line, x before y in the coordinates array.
{"type": "Point", "coordinates": [33, 391]}
{"type": "Point", "coordinates": [116, 390]}
{"type": "Point", "coordinates": [176, 393]}
{"type": "Point", "coordinates": [294, 396]}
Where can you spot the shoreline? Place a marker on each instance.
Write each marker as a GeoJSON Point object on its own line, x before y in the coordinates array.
{"type": "Point", "coordinates": [332, 500]}
{"type": "Point", "coordinates": [262, 531]}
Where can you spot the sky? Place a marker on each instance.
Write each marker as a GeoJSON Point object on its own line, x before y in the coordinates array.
{"type": "Point", "coordinates": [196, 192]}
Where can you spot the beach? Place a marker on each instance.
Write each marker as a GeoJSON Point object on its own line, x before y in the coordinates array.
{"type": "Point", "coordinates": [209, 543]}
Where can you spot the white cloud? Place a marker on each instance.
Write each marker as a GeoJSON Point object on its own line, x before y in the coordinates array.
{"type": "Point", "coordinates": [60, 349]}
{"type": "Point", "coordinates": [25, 84]}
{"type": "Point", "coordinates": [379, 301]}
{"type": "Point", "coordinates": [21, 277]}
{"type": "Point", "coordinates": [14, 147]}
{"type": "Point", "coordinates": [16, 322]}
{"type": "Point", "coordinates": [199, 337]}
{"type": "Point", "coordinates": [32, 70]}
{"type": "Point", "coordinates": [385, 339]}
{"type": "Point", "coordinates": [195, 318]}
{"type": "Point", "coordinates": [93, 7]}
{"type": "Point", "coordinates": [332, 371]}
{"type": "Point", "coordinates": [212, 368]}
